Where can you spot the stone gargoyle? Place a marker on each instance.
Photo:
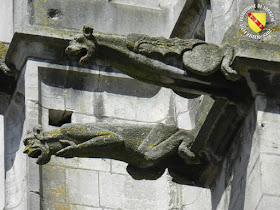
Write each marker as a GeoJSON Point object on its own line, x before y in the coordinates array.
{"type": "Point", "coordinates": [147, 149]}
{"type": "Point", "coordinates": [189, 67]}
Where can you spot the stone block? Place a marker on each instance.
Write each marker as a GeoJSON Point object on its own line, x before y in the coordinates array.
{"type": "Point", "coordinates": [53, 183]}
{"type": "Point", "coordinates": [95, 164]}
{"type": "Point", "coordinates": [34, 201]}
{"type": "Point", "coordinates": [6, 21]}
{"type": "Point", "coordinates": [223, 15]}
{"type": "Point", "coordinates": [31, 81]}
{"type": "Point", "coordinates": [119, 167]}
{"type": "Point", "coordinates": [34, 178]}
{"type": "Point", "coordinates": [32, 110]}
{"type": "Point", "coordinates": [196, 198]}
{"type": "Point", "coordinates": [184, 121]}
{"type": "Point", "coordinates": [80, 101]}
{"type": "Point", "coordinates": [82, 187]}
{"type": "Point", "coordinates": [269, 203]}
{"type": "Point", "coordinates": [112, 190]}
{"type": "Point", "coordinates": [83, 118]}
{"type": "Point", "coordinates": [269, 138]}
{"type": "Point", "coordinates": [115, 18]}
{"type": "Point", "coordinates": [137, 109]}
{"type": "Point", "coordinates": [62, 206]}
{"type": "Point", "coordinates": [15, 183]}
{"type": "Point", "coordinates": [270, 170]}
{"type": "Point", "coordinates": [120, 191]}
{"type": "Point", "coordinates": [52, 97]}
{"type": "Point", "coordinates": [147, 194]}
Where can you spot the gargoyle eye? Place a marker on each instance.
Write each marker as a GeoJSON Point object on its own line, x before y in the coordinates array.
{"type": "Point", "coordinates": [26, 142]}
{"type": "Point", "coordinates": [78, 38]}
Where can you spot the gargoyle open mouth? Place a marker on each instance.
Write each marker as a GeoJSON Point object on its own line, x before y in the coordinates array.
{"type": "Point", "coordinates": [75, 53]}
{"type": "Point", "coordinates": [33, 152]}
{"type": "Point", "coordinates": [40, 151]}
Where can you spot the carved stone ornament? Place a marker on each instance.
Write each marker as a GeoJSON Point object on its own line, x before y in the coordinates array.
{"type": "Point", "coordinates": [148, 150]}
{"type": "Point", "coordinates": [190, 68]}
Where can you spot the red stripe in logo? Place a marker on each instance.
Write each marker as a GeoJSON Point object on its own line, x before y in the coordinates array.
{"type": "Point", "coordinates": [255, 20]}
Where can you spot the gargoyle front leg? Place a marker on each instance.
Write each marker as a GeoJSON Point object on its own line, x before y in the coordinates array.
{"type": "Point", "coordinates": [93, 147]}
{"type": "Point", "coordinates": [228, 71]}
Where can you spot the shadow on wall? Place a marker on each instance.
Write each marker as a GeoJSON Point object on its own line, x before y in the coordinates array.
{"type": "Point", "coordinates": [14, 121]}
{"type": "Point", "coordinates": [97, 82]}
{"type": "Point", "coordinates": [228, 192]}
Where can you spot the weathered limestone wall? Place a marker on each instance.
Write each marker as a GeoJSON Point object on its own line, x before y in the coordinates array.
{"type": "Point", "coordinates": [116, 16]}
{"type": "Point", "coordinates": [249, 177]}
{"type": "Point", "coordinates": [6, 20]}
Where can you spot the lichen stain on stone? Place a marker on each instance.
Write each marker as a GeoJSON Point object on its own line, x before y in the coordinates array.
{"type": "Point", "coordinates": [56, 190]}
{"type": "Point", "coordinates": [276, 28]}
{"type": "Point", "coordinates": [254, 50]}
{"type": "Point", "coordinates": [54, 132]}
{"type": "Point", "coordinates": [104, 133]}
{"type": "Point", "coordinates": [240, 32]}
{"type": "Point", "coordinates": [234, 39]}
{"type": "Point", "coordinates": [277, 55]}
{"type": "Point", "coordinates": [3, 50]}
{"type": "Point", "coordinates": [40, 12]}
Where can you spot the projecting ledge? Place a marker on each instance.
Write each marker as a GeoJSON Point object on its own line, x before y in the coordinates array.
{"type": "Point", "coordinates": [258, 64]}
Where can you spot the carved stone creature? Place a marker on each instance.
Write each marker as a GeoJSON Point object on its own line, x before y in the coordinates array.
{"type": "Point", "coordinates": [148, 150]}
{"type": "Point", "coordinates": [196, 56]}
{"type": "Point", "coordinates": [83, 46]}
{"type": "Point", "coordinates": [189, 67]}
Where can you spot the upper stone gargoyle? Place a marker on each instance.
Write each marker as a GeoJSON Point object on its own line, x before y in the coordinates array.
{"type": "Point", "coordinates": [189, 67]}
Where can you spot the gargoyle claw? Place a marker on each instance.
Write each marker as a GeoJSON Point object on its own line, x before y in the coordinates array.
{"type": "Point", "coordinates": [67, 152]}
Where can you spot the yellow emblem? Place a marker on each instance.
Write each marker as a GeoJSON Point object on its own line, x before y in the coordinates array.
{"type": "Point", "coordinates": [256, 21]}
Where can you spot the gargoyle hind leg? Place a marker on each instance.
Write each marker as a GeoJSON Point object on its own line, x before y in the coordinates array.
{"type": "Point", "coordinates": [228, 71]}
{"type": "Point", "coordinates": [156, 146]}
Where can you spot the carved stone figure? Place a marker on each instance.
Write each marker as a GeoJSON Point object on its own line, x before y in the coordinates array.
{"type": "Point", "coordinates": [196, 56]}
{"type": "Point", "coordinates": [147, 149]}
{"type": "Point", "coordinates": [189, 67]}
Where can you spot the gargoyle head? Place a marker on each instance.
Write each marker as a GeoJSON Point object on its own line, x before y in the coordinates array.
{"type": "Point", "coordinates": [36, 148]}
{"type": "Point", "coordinates": [82, 47]}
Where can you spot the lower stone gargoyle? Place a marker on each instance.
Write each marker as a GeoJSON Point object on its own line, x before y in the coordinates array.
{"type": "Point", "coordinates": [148, 150]}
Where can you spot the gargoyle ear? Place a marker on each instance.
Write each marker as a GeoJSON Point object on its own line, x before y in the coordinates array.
{"type": "Point", "coordinates": [37, 129]}
{"type": "Point", "coordinates": [87, 31]}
